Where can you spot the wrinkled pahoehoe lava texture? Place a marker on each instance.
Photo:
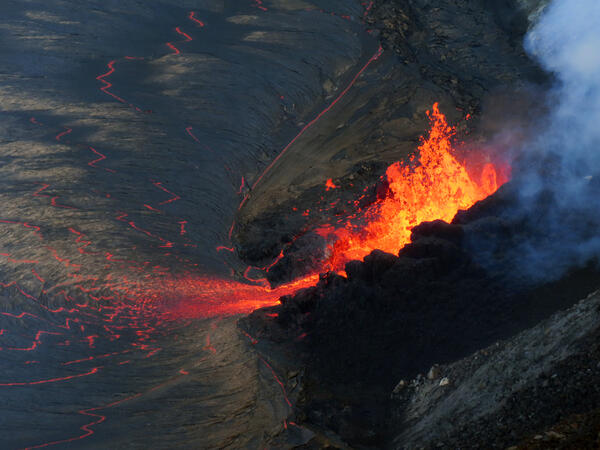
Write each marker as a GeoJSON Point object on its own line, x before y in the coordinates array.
{"type": "Point", "coordinates": [127, 129]}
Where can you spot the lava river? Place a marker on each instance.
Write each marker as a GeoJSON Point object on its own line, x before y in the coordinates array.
{"type": "Point", "coordinates": [131, 136]}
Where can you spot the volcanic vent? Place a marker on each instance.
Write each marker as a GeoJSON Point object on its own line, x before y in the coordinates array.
{"type": "Point", "coordinates": [434, 184]}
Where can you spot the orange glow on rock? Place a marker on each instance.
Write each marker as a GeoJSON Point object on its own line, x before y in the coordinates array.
{"type": "Point", "coordinates": [329, 184]}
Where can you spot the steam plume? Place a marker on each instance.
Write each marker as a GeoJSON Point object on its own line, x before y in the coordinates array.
{"type": "Point", "coordinates": [558, 179]}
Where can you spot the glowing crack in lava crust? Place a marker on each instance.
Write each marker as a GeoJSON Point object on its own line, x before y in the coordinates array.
{"type": "Point", "coordinates": [436, 186]}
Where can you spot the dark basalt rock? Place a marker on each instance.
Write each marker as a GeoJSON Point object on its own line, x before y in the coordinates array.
{"type": "Point", "coordinates": [303, 256]}
{"type": "Point", "coordinates": [440, 230]}
{"type": "Point", "coordinates": [396, 316]}
{"type": "Point", "coordinates": [376, 264]}
{"type": "Point", "coordinates": [540, 387]}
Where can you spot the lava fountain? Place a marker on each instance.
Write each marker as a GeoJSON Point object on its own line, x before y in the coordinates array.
{"type": "Point", "coordinates": [434, 186]}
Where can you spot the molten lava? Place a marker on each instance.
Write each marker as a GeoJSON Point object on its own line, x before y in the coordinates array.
{"type": "Point", "coordinates": [206, 296]}
{"type": "Point", "coordinates": [330, 185]}
{"type": "Point", "coordinates": [436, 186]}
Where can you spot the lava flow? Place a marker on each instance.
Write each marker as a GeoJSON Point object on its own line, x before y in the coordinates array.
{"type": "Point", "coordinates": [436, 186]}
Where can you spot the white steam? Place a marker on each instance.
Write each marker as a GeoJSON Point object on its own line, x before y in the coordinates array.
{"type": "Point", "coordinates": [566, 42]}
{"type": "Point", "coordinates": [558, 178]}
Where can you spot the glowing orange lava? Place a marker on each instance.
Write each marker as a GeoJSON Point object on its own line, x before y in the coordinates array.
{"type": "Point", "coordinates": [208, 296]}
{"type": "Point", "coordinates": [436, 187]}
{"type": "Point", "coordinates": [330, 185]}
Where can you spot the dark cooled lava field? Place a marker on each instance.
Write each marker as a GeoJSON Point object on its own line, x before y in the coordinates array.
{"type": "Point", "coordinates": [345, 224]}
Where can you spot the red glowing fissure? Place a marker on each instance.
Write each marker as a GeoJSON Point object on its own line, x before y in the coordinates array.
{"type": "Point", "coordinates": [107, 84]}
{"type": "Point", "coordinates": [59, 136]}
{"type": "Point", "coordinates": [52, 380]}
{"type": "Point", "coordinates": [187, 37]}
{"type": "Point", "coordinates": [36, 341]}
{"type": "Point", "coordinates": [18, 261]}
{"type": "Point", "coordinates": [101, 158]}
{"type": "Point", "coordinates": [254, 341]}
{"type": "Point", "coordinates": [87, 428]}
{"type": "Point", "coordinates": [279, 382]}
{"type": "Point", "coordinates": [92, 358]}
{"type": "Point", "coordinates": [192, 16]}
{"type": "Point", "coordinates": [174, 197]}
{"type": "Point", "coordinates": [312, 122]}
{"type": "Point", "coordinates": [259, 4]}
{"type": "Point", "coordinates": [53, 201]}
{"type": "Point", "coordinates": [182, 225]}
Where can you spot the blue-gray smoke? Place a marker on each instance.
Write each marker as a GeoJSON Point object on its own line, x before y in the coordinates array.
{"type": "Point", "coordinates": [566, 42]}
{"type": "Point", "coordinates": [557, 181]}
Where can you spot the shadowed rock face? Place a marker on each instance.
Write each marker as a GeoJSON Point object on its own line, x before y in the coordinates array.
{"type": "Point", "coordinates": [547, 380]}
{"type": "Point", "coordinates": [396, 316]}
